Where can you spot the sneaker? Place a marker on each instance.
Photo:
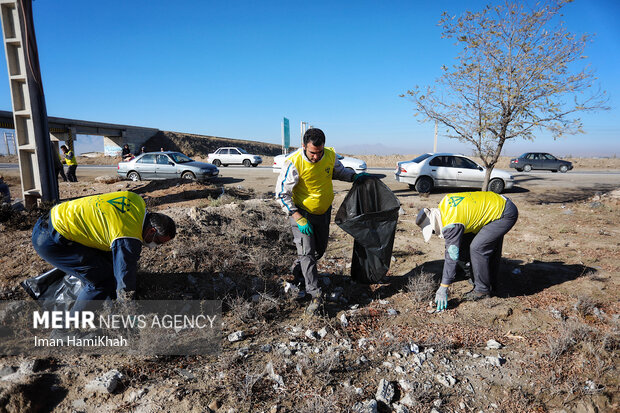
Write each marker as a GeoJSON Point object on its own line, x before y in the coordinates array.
{"type": "Point", "coordinates": [474, 295]}
{"type": "Point", "coordinates": [315, 307]}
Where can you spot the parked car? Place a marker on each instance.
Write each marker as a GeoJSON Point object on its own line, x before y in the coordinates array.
{"type": "Point", "coordinates": [356, 164]}
{"type": "Point", "coordinates": [449, 170]}
{"type": "Point", "coordinates": [233, 156]}
{"type": "Point", "coordinates": [164, 165]}
{"type": "Point", "coordinates": [540, 160]}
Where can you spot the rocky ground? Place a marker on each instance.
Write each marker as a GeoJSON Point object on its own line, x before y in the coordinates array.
{"type": "Point", "coordinates": [548, 342]}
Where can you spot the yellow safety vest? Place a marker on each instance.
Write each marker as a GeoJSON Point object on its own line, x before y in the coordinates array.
{"type": "Point", "coordinates": [70, 158]}
{"type": "Point", "coordinates": [472, 209]}
{"type": "Point", "coordinates": [96, 221]}
{"type": "Point", "coordinates": [314, 191]}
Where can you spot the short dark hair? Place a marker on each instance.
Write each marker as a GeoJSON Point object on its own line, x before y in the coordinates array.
{"type": "Point", "coordinates": [163, 224]}
{"type": "Point", "coordinates": [64, 147]}
{"type": "Point", "coordinates": [314, 135]}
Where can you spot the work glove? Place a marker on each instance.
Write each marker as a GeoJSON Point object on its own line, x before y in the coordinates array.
{"type": "Point", "coordinates": [441, 298]}
{"type": "Point", "coordinates": [362, 175]}
{"type": "Point", "coordinates": [304, 226]}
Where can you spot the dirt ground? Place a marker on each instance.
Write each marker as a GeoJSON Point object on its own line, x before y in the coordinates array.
{"type": "Point", "coordinates": [556, 315]}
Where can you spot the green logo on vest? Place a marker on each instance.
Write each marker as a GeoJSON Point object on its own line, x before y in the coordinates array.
{"type": "Point", "coordinates": [455, 200]}
{"type": "Point", "coordinates": [121, 203]}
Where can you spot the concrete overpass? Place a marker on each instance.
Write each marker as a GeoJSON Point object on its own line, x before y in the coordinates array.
{"type": "Point", "coordinates": [114, 135]}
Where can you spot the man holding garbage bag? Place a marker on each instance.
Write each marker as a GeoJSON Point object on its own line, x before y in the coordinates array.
{"type": "Point", "coordinates": [489, 217]}
{"type": "Point", "coordinates": [98, 239]}
{"type": "Point", "coordinates": [305, 192]}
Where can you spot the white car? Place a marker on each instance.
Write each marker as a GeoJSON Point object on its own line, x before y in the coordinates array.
{"type": "Point", "coordinates": [233, 156]}
{"type": "Point", "coordinates": [449, 170]}
{"type": "Point", "coordinates": [356, 164]}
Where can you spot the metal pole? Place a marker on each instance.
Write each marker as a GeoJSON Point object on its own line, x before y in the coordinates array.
{"type": "Point", "coordinates": [6, 142]}
{"type": "Point", "coordinates": [435, 144]}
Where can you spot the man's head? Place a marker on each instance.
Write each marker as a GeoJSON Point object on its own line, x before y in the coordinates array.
{"type": "Point", "coordinates": [314, 143]}
{"type": "Point", "coordinates": [64, 148]}
{"type": "Point", "coordinates": [430, 222]}
{"type": "Point", "coordinates": [158, 229]}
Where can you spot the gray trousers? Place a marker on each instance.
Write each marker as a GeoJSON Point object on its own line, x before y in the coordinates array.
{"type": "Point", "coordinates": [486, 248]}
{"type": "Point", "coordinates": [311, 248]}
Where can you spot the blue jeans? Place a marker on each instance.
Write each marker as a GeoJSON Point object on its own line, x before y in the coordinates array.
{"type": "Point", "coordinates": [92, 266]}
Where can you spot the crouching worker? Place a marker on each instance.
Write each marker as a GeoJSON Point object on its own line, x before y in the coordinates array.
{"type": "Point", "coordinates": [305, 192]}
{"type": "Point", "coordinates": [486, 215]}
{"type": "Point", "coordinates": [98, 239]}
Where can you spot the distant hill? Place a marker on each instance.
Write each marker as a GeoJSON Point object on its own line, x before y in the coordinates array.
{"type": "Point", "coordinates": [201, 145]}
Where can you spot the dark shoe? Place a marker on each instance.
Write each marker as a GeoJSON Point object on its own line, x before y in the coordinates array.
{"type": "Point", "coordinates": [474, 295]}
{"type": "Point", "coordinates": [315, 307]}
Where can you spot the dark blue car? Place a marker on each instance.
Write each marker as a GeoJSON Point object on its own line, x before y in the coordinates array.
{"type": "Point", "coordinates": [540, 160]}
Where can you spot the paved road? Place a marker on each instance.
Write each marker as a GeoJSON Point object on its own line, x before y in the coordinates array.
{"type": "Point", "coordinates": [263, 179]}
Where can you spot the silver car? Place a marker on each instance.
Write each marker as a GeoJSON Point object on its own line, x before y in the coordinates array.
{"type": "Point", "coordinates": [449, 170]}
{"type": "Point", "coordinates": [165, 165]}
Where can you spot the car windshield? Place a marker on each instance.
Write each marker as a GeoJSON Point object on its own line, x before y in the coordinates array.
{"type": "Point", "coordinates": [242, 150]}
{"type": "Point", "coordinates": [180, 158]}
{"type": "Point", "coordinates": [524, 155]}
{"type": "Point", "coordinates": [421, 158]}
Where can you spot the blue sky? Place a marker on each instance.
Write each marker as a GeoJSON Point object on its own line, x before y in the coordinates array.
{"type": "Point", "coordinates": [235, 68]}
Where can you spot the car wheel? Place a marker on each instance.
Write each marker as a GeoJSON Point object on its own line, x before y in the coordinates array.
{"type": "Point", "coordinates": [217, 163]}
{"type": "Point", "coordinates": [133, 175]}
{"type": "Point", "coordinates": [424, 185]}
{"type": "Point", "coordinates": [563, 168]}
{"type": "Point", "coordinates": [527, 168]}
{"type": "Point", "coordinates": [496, 185]}
{"type": "Point", "coordinates": [188, 175]}
{"type": "Point", "coordinates": [519, 169]}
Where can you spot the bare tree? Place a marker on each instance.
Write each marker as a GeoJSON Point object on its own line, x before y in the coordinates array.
{"type": "Point", "coordinates": [514, 76]}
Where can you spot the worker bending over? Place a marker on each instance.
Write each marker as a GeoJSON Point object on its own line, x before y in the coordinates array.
{"type": "Point", "coordinates": [489, 217]}
{"type": "Point", "coordinates": [99, 239]}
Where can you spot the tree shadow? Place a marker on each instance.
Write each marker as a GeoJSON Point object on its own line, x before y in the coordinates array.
{"type": "Point", "coordinates": [570, 195]}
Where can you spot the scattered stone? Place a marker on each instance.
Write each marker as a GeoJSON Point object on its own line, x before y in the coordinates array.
{"type": "Point", "coordinates": [187, 374]}
{"type": "Point", "coordinates": [266, 348]}
{"type": "Point", "coordinates": [106, 383]}
{"type": "Point", "coordinates": [272, 375]}
{"type": "Point", "coordinates": [391, 311]}
{"type": "Point", "coordinates": [236, 336]}
{"type": "Point", "coordinates": [310, 334]}
{"type": "Point", "coordinates": [437, 402]}
{"type": "Point", "coordinates": [215, 405]}
{"type": "Point", "coordinates": [408, 401]}
{"type": "Point", "coordinates": [30, 366]}
{"type": "Point", "coordinates": [495, 361]}
{"type": "Point", "coordinates": [361, 343]}
{"type": "Point", "coordinates": [368, 406]}
{"type": "Point", "coordinates": [595, 204]}
{"type": "Point", "coordinates": [344, 321]}
{"type": "Point", "coordinates": [493, 345]}
{"type": "Point", "coordinates": [399, 370]}
{"type": "Point", "coordinates": [322, 332]}
{"type": "Point", "coordinates": [243, 351]}
{"type": "Point", "coordinates": [462, 405]}
{"type": "Point", "coordinates": [385, 392]}
{"type": "Point", "coordinates": [6, 370]}
{"type": "Point", "coordinates": [136, 395]}
{"type": "Point", "coordinates": [399, 408]}
{"type": "Point", "coordinates": [79, 404]}
{"type": "Point", "coordinates": [384, 302]}
{"type": "Point", "coordinates": [446, 380]}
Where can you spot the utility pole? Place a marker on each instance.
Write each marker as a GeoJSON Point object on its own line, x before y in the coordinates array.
{"type": "Point", "coordinates": [34, 148]}
{"type": "Point", "coordinates": [435, 143]}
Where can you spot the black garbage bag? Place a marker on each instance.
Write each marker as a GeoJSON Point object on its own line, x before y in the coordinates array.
{"type": "Point", "coordinates": [54, 290]}
{"type": "Point", "coordinates": [369, 213]}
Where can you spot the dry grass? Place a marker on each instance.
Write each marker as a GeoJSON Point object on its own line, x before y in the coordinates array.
{"type": "Point", "coordinates": [421, 286]}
